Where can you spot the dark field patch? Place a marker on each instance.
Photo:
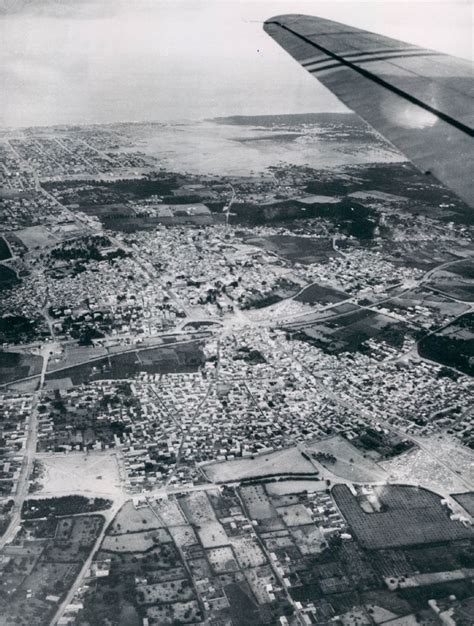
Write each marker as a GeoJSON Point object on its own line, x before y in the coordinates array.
{"type": "Point", "coordinates": [321, 294]}
{"type": "Point", "coordinates": [408, 516]}
{"type": "Point", "coordinates": [20, 329]}
{"type": "Point", "coordinates": [452, 346]}
{"type": "Point", "coordinates": [14, 365]}
{"type": "Point", "coordinates": [8, 278]}
{"type": "Point", "coordinates": [297, 249]}
{"type": "Point", "coordinates": [347, 332]}
{"type": "Point", "coordinates": [162, 360]}
{"type": "Point", "coordinates": [4, 250]}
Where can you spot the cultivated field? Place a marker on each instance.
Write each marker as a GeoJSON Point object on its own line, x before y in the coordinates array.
{"type": "Point", "coordinates": [169, 591]}
{"type": "Point", "coordinates": [408, 515]}
{"type": "Point", "coordinates": [308, 538]}
{"type": "Point", "coordinates": [222, 559]}
{"type": "Point", "coordinates": [247, 551]}
{"type": "Point", "coordinates": [258, 503]}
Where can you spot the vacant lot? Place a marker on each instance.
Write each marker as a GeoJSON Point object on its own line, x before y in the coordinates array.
{"type": "Point", "coordinates": [91, 473]}
{"type": "Point", "coordinates": [288, 461]}
{"type": "Point", "coordinates": [183, 536]}
{"type": "Point", "coordinates": [408, 515]}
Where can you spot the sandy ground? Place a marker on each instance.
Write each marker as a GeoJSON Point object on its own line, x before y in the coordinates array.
{"type": "Point", "coordinates": [95, 473]}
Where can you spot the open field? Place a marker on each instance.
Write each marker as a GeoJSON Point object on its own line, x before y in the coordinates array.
{"type": "Point", "coordinates": [288, 461]}
{"type": "Point", "coordinates": [135, 542]}
{"type": "Point", "coordinates": [321, 294]}
{"type": "Point", "coordinates": [170, 512]}
{"type": "Point", "coordinates": [349, 463]}
{"type": "Point", "coordinates": [36, 237]}
{"type": "Point", "coordinates": [295, 486]}
{"type": "Point", "coordinates": [295, 515]}
{"type": "Point", "coordinates": [92, 473]}
{"type": "Point", "coordinates": [407, 516]}
{"type": "Point", "coordinates": [132, 520]}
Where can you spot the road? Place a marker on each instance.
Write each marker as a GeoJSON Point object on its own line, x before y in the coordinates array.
{"type": "Point", "coordinates": [28, 458]}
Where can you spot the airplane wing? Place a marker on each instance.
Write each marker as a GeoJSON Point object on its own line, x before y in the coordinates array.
{"type": "Point", "coordinates": [421, 100]}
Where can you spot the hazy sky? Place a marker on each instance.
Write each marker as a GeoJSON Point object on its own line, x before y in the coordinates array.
{"type": "Point", "coordinates": [82, 61]}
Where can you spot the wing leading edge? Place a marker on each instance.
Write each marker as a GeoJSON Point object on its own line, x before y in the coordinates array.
{"type": "Point", "coordinates": [419, 99]}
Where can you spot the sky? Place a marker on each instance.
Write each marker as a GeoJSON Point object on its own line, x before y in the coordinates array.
{"type": "Point", "coordinates": [87, 61]}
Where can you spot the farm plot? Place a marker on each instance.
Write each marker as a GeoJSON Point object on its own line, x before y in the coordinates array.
{"type": "Point", "coordinates": [309, 539]}
{"type": "Point", "coordinates": [183, 536]}
{"type": "Point", "coordinates": [346, 461]}
{"type": "Point", "coordinates": [453, 345]}
{"type": "Point", "coordinates": [456, 281]}
{"type": "Point", "coordinates": [132, 520]}
{"type": "Point", "coordinates": [176, 613]}
{"type": "Point", "coordinates": [170, 591]}
{"type": "Point", "coordinates": [347, 332]}
{"type": "Point", "coordinates": [222, 560]}
{"type": "Point", "coordinates": [258, 502]}
{"type": "Point", "coordinates": [407, 516]}
{"type": "Point", "coordinates": [170, 512]}
{"type": "Point", "coordinates": [212, 534]}
{"type": "Point", "coordinates": [295, 515]}
{"type": "Point", "coordinates": [285, 462]}
{"type": "Point", "coordinates": [135, 542]}
{"type": "Point", "coordinates": [295, 486]}
{"type": "Point", "coordinates": [258, 578]}
{"type": "Point", "coordinates": [247, 551]}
